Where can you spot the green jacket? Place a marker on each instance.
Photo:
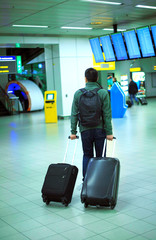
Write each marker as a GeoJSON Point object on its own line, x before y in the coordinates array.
{"type": "Point", "coordinates": [106, 109]}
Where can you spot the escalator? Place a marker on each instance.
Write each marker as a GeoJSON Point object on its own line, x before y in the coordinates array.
{"type": "Point", "coordinates": [3, 110]}
{"type": "Point", "coordinates": [7, 104]}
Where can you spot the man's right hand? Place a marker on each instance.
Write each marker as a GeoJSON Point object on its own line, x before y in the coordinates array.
{"type": "Point", "coordinates": [109, 137]}
{"type": "Point", "coordinates": [72, 136]}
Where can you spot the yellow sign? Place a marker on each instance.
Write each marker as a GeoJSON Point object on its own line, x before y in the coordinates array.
{"type": "Point", "coordinates": [4, 71]}
{"type": "Point", "coordinates": [103, 66]}
{"type": "Point", "coordinates": [154, 67]}
{"type": "Point", "coordinates": [50, 106]}
{"type": "Point", "coordinates": [3, 66]}
{"type": "Point", "coordinates": [137, 69]}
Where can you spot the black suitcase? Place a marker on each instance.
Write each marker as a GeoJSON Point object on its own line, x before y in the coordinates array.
{"type": "Point", "coordinates": [100, 187]}
{"type": "Point", "coordinates": [59, 182]}
{"type": "Point", "coordinates": [143, 101]}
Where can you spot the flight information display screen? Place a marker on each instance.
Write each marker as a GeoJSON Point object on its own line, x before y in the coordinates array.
{"type": "Point", "coordinates": [153, 29]}
{"type": "Point", "coordinates": [145, 41]}
{"type": "Point", "coordinates": [107, 48]}
{"type": "Point", "coordinates": [119, 46]}
{"type": "Point", "coordinates": [96, 49]}
{"type": "Point", "coordinates": [132, 44]}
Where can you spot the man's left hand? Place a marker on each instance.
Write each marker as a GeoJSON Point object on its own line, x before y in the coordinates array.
{"type": "Point", "coordinates": [72, 136]}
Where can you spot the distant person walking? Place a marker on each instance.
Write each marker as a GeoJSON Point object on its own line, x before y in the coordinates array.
{"type": "Point", "coordinates": [115, 81]}
{"type": "Point", "coordinates": [133, 89]}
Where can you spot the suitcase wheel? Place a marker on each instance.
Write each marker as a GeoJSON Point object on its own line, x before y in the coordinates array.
{"type": "Point", "coordinates": [44, 198]}
{"type": "Point", "coordinates": [86, 205]}
{"type": "Point", "coordinates": [112, 206]}
{"type": "Point", "coordinates": [65, 203]}
{"type": "Point", "coordinates": [47, 202]}
{"type": "Point", "coordinates": [82, 199]}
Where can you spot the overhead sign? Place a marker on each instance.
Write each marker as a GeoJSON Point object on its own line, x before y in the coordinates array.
{"type": "Point", "coordinates": [17, 45]}
{"type": "Point", "coordinates": [8, 65]}
{"type": "Point", "coordinates": [19, 64]}
{"type": "Point", "coordinates": [137, 69]}
{"type": "Point", "coordinates": [7, 58]}
{"type": "Point", "coordinates": [103, 66]}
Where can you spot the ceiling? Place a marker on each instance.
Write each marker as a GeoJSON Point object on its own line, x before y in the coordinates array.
{"type": "Point", "coordinates": [72, 13]}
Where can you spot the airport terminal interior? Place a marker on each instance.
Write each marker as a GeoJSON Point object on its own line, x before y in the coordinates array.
{"type": "Point", "coordinates": [28, 146]}
{"type": "Point", "coordinates": [45, 48]}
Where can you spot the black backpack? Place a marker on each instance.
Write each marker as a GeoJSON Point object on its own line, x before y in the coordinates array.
{"type": "Point", "coordinates": [90, 108]}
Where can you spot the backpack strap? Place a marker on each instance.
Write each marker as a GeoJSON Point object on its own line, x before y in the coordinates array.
{"type": "Point", "coordinates": [83, 90]}
{"type": "Point", "coordinates": [95, 90]}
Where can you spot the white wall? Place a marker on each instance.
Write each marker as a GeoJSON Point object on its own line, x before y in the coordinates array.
{"type": "Point", "coordinates": [57, 77]}
{"type": "Point", "coordinates": [66, 63]}
{"type": "Point", "coordinates": [75, 58]}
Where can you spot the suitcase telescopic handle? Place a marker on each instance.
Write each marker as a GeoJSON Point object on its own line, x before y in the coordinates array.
{"type": "Point", "coordinates": [65, 155]}
{"type": "Point", "coordinates": [105, 146]}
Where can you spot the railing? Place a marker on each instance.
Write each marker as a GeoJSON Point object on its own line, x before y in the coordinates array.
{"type": "Point", "coordinates": [10, 104]}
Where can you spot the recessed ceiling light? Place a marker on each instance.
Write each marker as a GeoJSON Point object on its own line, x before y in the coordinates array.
{"type": "Point", "coordinates": [111, 29]}
{"type": "Point", "coordinates": [30, 26]}
{"type": "Point", "coordinates": [102, 2]}
{"type": "Point", "coordinates": [108, 29]}
{"type": "Point", "coordinates": [144, 6]}
{"type": "Point", "coordinates": [82, 28]}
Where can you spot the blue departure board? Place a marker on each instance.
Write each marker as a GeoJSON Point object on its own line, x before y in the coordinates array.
{"type": "Point", "coordinates": [145, 41]}
{"type": "Point", "coordinates": [119, 46]}
{"type": "Point", "coordinates": [132, 44]}
{"type": "Point", "coordinates": [153, 29]}
{"type": "Point", "coordinates": [96, 49]}
{"type": "Point", "coordinates": [107, 48]}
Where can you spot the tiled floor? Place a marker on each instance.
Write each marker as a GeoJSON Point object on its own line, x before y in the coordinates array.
{"type": "Point", "coordinates": [28, 146]}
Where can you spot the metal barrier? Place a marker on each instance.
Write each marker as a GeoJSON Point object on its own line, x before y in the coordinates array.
{"type": "Point", "coordinates": [11, 104]}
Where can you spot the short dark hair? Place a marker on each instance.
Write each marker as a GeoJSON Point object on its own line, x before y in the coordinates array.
{"type": "Point", "coordinates": [91, 74]}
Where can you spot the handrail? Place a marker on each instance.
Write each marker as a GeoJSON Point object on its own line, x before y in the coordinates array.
{"type": "Point", "coordinates": [7, 102]}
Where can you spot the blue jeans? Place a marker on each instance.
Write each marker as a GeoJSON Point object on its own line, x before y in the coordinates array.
{"type": "Point", "coordinates": [92, 138]}
{"type": "Point", "coordinates": [132, 96]}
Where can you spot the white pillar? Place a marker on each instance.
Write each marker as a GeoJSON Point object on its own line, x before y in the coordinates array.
{"type": "Point", "coordinates": [53, 80]}
{"type": "Point", "coordinates": [49, 67]}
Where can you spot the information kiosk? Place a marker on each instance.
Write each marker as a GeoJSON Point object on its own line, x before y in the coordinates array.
{"type": "Point", "coordinates": [118, 101]}
{"type": "Point", "coordinates": [50, 106]}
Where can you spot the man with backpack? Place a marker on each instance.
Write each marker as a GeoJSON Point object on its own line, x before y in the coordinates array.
{"type": "Point", "coordinates": [91, 109]}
